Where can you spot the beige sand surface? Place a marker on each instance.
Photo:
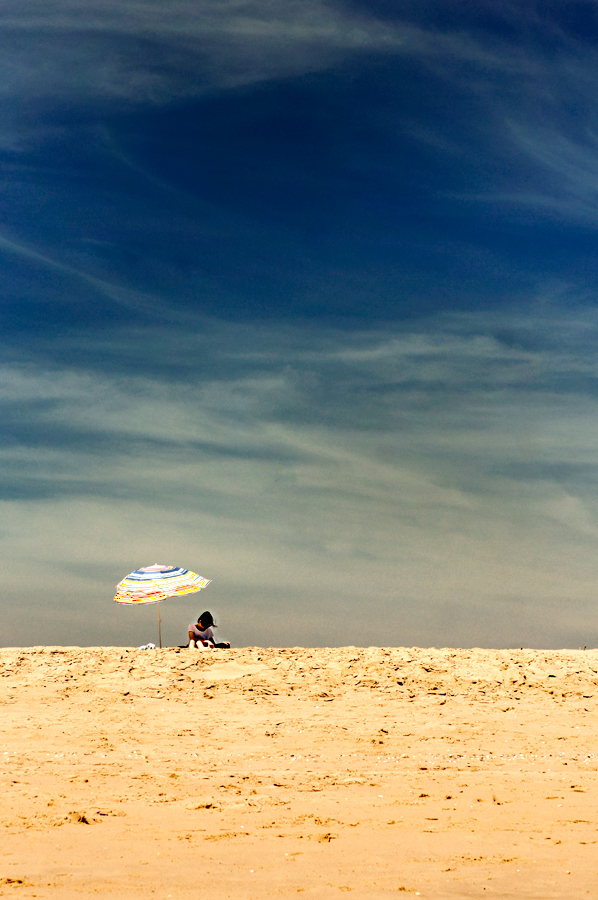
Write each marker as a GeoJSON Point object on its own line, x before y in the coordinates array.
{"type": "Point", "coordinates": [271, 773]}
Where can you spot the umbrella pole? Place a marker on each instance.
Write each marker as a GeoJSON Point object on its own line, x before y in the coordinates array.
{"type": "Point", "coordinates": [159, 626]}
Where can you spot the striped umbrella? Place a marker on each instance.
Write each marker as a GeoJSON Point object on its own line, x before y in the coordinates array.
{"type": "Point", "coordinates": [154, 583]}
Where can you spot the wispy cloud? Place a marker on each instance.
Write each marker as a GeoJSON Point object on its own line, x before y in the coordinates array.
{"type": "Point", "coordinates": [152, 52]}
{"type": "Point", "coordinates": [519, 123]}
{"type": "Point", "coordinates": [431, 466]}
{"type": "Point", "coordinates": [160, 52]}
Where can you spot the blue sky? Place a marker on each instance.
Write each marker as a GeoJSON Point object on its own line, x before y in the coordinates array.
{"type": "Point", "coordinates": [300, 296]}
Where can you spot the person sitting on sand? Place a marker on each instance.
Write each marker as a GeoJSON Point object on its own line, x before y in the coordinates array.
{"type": "Point", "coordinates": [201, 635]}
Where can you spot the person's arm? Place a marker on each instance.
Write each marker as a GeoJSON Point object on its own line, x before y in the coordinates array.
{"type": "Point", "coordinates": [210, 638]}
{"type": "Point", "coordinates": [204, 637]}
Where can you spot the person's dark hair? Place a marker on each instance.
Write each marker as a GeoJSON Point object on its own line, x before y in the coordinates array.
{"type": "Point", "coordinates": [206, 619]}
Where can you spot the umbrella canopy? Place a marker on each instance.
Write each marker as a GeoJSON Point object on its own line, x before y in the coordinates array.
{"type": "Point", "coordinates": [154, 583]}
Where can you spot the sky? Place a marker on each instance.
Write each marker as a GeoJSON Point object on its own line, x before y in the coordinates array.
{"type": "Point", "coordinates": [300, 295]}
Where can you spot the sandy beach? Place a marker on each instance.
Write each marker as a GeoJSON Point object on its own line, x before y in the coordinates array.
{"type": "Point", "coordinates": [263, 773]}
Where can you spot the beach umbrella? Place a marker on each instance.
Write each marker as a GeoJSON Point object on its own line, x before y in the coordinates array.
{"type": "Point", "coordinates": [151, 584]}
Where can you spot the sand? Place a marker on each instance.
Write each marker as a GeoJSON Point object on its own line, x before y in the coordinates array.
{"type": "Point", "coordinates": [271, 773]}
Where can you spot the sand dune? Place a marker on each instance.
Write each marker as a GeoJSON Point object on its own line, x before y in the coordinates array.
{"type": "Point", "coordinates": [265, 772]}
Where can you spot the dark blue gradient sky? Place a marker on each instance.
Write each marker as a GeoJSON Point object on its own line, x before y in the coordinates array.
{"type": "Point", "coordinates": [300, 295]}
